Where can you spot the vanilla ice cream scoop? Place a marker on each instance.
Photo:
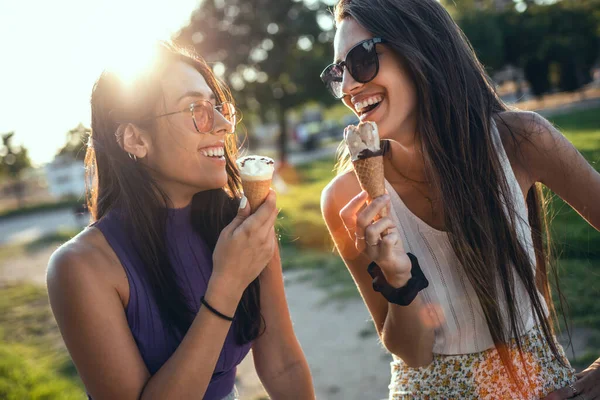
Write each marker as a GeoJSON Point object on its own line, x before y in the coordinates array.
{"type": "Point", "coordinates": [362, 140]}
{"type": "Point", "coordinates": [256, 168]}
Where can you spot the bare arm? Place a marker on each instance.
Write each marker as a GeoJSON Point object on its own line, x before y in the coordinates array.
{"type": "Point", "coordinates": [404, 331]}
{"type": "Point", "coordinates": [90, 315]}
{"type": "Point", "coordinates": [94, 327]}
{"type": "Point", "coordinates": [551, 159]}
{"type": "Point", "coordinates": [278, 357]}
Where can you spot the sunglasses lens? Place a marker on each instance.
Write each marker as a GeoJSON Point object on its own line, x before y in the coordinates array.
{"type": "Point", "coordinates": [362, 62]}
{"type": "Point", "coordinates": [203, 116]}
{"type": "Point", "coordinates": [229, 112]}
{"type": "Point", "coordinates": [332, 78]}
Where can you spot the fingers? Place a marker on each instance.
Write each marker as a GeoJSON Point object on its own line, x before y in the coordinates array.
{"type": "Point", "coordinates": [243, 213]}
{"type": "Point", "coordinates": [366, 216]}
{"type": "Point", "coordinates": [374, 231]}
{"type": "Point", "coordinates": [349, 211]}
{"type": "Point", "coordinates": [559, 394]}
{"type": "Point", "coordinates": [564, 392]}
{"type": "Point", "coordinates": [260, 223]}
{"type": "Point", "coordinates": [266, 209]}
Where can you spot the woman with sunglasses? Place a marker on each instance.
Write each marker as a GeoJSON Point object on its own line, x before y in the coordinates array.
{"type": "Point", "coordinates": [463, 175]}
{"type": "Point", "coordinates": [174, 282]}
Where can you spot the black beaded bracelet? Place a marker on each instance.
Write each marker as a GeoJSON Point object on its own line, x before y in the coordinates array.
{"type": "Point", "coordinates": [214, 311]}
{"type": "Point", "coordinates": [402, 296]}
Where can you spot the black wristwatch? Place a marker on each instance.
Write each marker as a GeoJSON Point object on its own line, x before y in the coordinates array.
{"type": "Point", "coordinates": [406, 294]}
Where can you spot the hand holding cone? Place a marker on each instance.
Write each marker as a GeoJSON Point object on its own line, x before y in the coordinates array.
{"type": "Point", "coordinates": [364, 146]}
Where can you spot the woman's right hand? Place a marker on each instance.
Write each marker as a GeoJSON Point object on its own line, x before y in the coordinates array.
{"type": "Point", "coordinates": [246, 245]}
{"type": "Point", "coordinates": [380, 239]}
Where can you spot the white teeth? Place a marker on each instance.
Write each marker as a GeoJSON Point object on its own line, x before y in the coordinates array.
{"type": "Point", "coordinates": [213, 152]}
{"type": "Point", "coordinates": [360, 105]}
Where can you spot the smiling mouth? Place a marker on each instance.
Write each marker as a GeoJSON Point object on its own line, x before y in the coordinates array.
{"type": "Point", "coordinates": [368, 105]}
{"type": "Point", "coordinates": [213, 152]}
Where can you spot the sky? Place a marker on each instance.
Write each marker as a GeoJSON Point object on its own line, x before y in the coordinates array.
{"type": "Point", "coordinates": [51, 53]}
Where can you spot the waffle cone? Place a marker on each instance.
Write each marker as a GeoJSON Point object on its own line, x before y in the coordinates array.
{"type": "Point", "coordinates": [369, 172]}
{"type": "Point", "coordinates": [256, 192]}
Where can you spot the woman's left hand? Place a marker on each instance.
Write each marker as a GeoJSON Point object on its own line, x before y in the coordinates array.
{"type": "Point", "coordinates": [587, 386]}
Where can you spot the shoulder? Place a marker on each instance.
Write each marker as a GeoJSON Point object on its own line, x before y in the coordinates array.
{"type": "Point", "coordinates": [86, 259]}
{"type": "Point", "coordinates": [338, 193]}
{"type": "Point", "coordinates": [530, 140]}
{"type": "Point", "coordinates": [525, 128]}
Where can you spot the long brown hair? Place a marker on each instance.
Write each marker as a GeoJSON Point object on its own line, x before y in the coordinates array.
{"type": "Point", "coordinates": [115, 181]}
{"type": "Point", "coordinates": [456, 105]}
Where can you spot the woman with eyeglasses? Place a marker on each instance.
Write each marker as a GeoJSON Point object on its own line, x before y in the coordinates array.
{"type": "Point", "coordinates": [174, 282]}
{"type": "Point", "coordinates": [463, 176]}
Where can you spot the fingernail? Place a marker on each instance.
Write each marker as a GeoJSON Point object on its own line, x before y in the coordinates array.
{"type": "Point", "coordinates": [243, 202]}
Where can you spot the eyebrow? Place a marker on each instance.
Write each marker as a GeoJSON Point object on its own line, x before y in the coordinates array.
{"type": "Point", "coordinates": [197, 94]}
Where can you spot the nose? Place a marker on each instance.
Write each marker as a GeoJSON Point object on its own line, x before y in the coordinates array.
{"type": "Point", "coordinates": [222, 125]}
{"type": "Point", "coordinates": [348, 83]}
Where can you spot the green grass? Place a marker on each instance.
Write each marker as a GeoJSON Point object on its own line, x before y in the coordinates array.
{"type": "Point", "coordinates": [33, 361]}
{"type": "Point", "coordinates": [300, 220]}
{"type": "Point", "coordinates": [572, 235]}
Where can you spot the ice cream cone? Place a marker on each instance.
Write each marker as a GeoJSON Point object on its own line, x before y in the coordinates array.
{"type": "Point", "coordinates": [256, 173]}
{"type": "Point", "coordinates": [256, 192]}
{"type": "Point", "coordinates": [365, 149]}
{"type": "Point", "coordinates": [369, 172]}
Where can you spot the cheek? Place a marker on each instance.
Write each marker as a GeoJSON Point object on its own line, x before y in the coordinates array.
{"type": "Point", "coordinates": [173, 152]}
{"type": "Point", "coordinates": [402, 93]}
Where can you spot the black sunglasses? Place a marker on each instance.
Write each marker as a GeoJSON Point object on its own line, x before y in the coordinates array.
{"type": "Point", "coordinates": [361, 62]}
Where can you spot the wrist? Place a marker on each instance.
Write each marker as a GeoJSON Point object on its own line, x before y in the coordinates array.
{"type": "Point", "coordinates": [223, 294]}
{"type": "Point", "coordinates": [403, 295]}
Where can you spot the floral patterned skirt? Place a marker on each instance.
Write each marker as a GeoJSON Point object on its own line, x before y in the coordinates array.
{"type": "Point", "coordinates": [483, 376]}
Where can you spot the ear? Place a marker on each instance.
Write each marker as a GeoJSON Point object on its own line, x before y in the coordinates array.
{"type": "Point", "coordinates": [134, 140]}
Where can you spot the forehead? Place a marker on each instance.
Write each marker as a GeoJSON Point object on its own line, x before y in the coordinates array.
{"type": "Point", "coordinates": [348, 34]}
{"type": "Point", "coordinates": [181, 78]}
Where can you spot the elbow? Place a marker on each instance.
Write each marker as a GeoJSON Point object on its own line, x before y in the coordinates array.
{"type": "Point", "coordinates": [415, 355]}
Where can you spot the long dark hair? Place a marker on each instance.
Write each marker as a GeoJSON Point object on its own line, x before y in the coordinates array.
{"type": "Point", "coordinates": [456, 105]}
{"type": "Point", "coordinates": [115, 181]}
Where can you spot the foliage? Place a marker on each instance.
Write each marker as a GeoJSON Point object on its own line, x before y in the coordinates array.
{"type": "Point", "coordinates": [13, 160]}
{"type": "Point", "coordinates": [562, 37]}
{"type": "Point", "coordinates": [76, 142]}
{"type": "Point", "coordinates": [270, 52]}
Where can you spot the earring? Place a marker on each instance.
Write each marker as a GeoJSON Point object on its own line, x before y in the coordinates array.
{"type": "Point", "coordinates": [132, 156]}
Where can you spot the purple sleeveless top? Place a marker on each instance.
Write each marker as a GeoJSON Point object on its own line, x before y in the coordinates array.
{"type": "Point", "coordinates": [192, 261]}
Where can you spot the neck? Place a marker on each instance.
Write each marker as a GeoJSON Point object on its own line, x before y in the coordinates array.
{"type": "Point", "coordinates": [179, 195]}
{"type": "Point", "coordinates": [405, 161]}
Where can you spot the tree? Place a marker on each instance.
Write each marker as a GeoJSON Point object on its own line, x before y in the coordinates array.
{"type": "Point", "coordinates": [564, 35]}
{"type": "Point", "coordinates": [484, 33]}
{"type": "Point", "coordinates": [76, 142]}
{"type": "Point", "coordinates": [13, 160]}
{"type": "Point", "coordinates": [270, 52]}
